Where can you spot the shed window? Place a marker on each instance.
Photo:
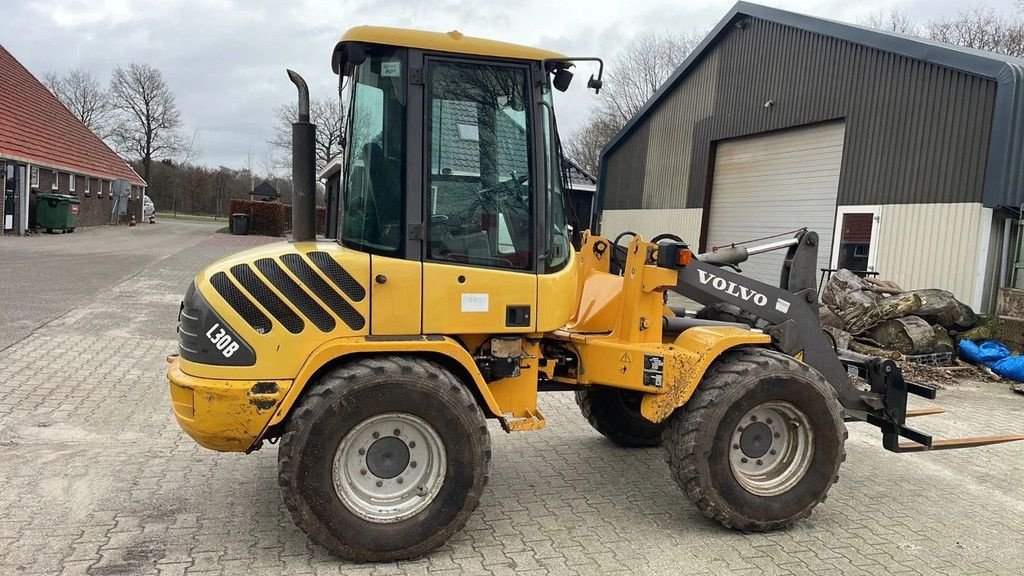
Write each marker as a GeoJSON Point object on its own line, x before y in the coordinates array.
{"type": "Point", "coordinates": [71, 182]}
{"type": "Point", "coordinates": [469, 132]}
{"type": "Point", "coordinates": [88, 186]}
{"type": "Point", "coordinates": [56, 180]}
{"type": "Point", "coordinates": [34, 177]}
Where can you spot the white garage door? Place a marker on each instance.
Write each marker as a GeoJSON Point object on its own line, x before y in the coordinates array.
{"type": "Point", "coordinates": [774, 183]}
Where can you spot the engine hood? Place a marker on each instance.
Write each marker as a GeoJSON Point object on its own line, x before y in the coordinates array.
{"type": "Point", "coordinates": [270, 307]}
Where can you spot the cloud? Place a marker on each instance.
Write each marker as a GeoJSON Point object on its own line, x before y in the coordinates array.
{"type": "Point", "coordinates": [225, 59]}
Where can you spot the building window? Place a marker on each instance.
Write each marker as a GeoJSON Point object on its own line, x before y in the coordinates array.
{"type": "Point", "coordinates": [71, 183]}
{"type": "Point", "coordinates": [88, 186]}
{"type": "Point", "coordinates": [469, 132]}
{"type": "Point", "coordinates": [34, 177]}
{"type": "Point", "coordinates": [56, 180]}
{"type": "Point", "coordinates": [99, 193]}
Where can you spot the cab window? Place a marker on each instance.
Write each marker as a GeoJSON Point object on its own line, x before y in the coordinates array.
{"type": "Point", "coordinates": [479, 186]}
{"type": "Point", "coordinates": [374, 190]}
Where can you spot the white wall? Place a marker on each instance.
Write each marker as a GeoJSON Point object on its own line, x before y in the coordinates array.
{"type": "Point", "coordinates": [683, 222]}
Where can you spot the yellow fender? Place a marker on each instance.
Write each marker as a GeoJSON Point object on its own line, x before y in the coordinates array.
{"type": "Point", "coordinates": [414, 345]}
{"type": "Point", "coordinates": [706, 344]}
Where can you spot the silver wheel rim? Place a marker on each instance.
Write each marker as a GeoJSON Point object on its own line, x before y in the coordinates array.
{"type": "Point", "coordinates": [389, 467]}
{"type": "Point", "coordinates": [771, 448]}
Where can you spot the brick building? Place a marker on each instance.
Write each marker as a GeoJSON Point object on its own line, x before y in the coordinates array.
{"type": "Point", "coordinates": [45, 149]}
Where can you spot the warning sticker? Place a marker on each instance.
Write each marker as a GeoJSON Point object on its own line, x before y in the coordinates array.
{"type": "Point", "coordinates": [626, 359]}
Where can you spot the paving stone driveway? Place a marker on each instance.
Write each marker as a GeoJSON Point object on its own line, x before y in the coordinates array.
{"type": "Point", "coordinates": [96, 478]}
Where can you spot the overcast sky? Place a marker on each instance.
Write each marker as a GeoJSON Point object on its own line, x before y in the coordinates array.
{"type": "Point", "coordinates": [225, 59]}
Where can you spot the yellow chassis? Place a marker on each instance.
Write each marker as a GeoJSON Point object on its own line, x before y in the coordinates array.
{"type": "Point", "coordinates": [615, 331]}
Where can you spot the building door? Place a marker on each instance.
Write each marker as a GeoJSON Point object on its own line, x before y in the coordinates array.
{"type": "Point", "coordinates": [856, 238]}
{"type": "Point", "coordinates": [10, 178]}
{"type": "Point", "coordinates": [772, 184]}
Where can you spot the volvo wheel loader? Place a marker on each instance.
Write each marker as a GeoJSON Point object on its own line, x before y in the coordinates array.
{"type": "Point", "coordinates": [458, 288]}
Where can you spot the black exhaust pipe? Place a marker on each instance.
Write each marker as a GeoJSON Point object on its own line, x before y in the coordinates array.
{"type": "Point", "coordinates": [303, 167]}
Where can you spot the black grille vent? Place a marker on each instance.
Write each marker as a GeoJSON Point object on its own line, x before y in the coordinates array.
{"type": "Point", "coordinates": [278, 309]}
{"type": "Point", "coordinates": [240, 303]}
{"type": "Point", "coordinates": [338, 275]}
{"type": "Point", "coordinates": [188, 323]}
{"type": "Point", "coordinates": [322, 290]}
{"type": "Point", "coordinates": [294, 293]}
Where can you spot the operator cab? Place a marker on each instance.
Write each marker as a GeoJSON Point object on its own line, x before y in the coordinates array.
{"type": "Point", "coordinates": [451, 158]}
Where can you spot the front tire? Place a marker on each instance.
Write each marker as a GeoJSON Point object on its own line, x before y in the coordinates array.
{"type": "Point", "coordinates": [384, 459]}
{"type": "Point", "coordinates": [760, 443]}
{"type": "Point", "coordinates": [616, 415]}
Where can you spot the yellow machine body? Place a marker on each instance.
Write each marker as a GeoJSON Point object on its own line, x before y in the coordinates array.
{"type": "Point", "coordinates": [612, 321]}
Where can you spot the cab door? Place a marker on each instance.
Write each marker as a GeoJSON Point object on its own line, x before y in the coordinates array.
{"type": "Point", "coordinates": [480, 253]}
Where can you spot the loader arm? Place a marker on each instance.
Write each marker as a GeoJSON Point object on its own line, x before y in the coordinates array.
{"type": "Point", "coordinates": [791, 314]}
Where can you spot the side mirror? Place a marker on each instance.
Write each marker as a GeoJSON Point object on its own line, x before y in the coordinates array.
{"type": "Point", "coordinates": [595, 84]}
{"type": "Point", "coordinates": [563, 77]}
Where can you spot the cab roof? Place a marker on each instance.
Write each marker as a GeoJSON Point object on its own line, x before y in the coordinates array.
{"type": "Point", "coordinates": [454, 42]}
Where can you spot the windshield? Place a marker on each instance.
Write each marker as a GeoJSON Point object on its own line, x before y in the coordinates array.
{"type": "Point", "coordinates": [558, 234]}
{"type": "Point", "coordinates": [374, 190]}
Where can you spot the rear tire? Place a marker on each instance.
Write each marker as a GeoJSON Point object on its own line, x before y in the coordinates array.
{"type": "Point", "coordinates": [384, 459]}
{"type": "Point", "coordinates": [760, 443]}
{"type": "Point", "coordinates": [616, 415]}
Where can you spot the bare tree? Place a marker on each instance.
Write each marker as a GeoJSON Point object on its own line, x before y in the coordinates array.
{"type": "Point", "coordinates": [585, 144]}
{"type": "Point", "coordinates": [982, 28]}
{"type": "Point", "coordinates": [640, 68]}
{"type": "Point", "coordinates": [894, 20]}
{"type": "Point", "coordinates": [148, 115]}
{"type": "Point", "coordinates": [82, 94]}
{"type": "Point", "coordinates": [634, 75]}
{"type": "Point", "coordinates": [329, 116]}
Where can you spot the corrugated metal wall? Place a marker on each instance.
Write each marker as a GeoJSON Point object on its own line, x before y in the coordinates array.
{"type": "Point", "coordinates": [918, 249]}
{"type": "Point", "coordinates": [916, 132]}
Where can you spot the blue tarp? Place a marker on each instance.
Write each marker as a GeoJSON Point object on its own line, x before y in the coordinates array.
{"type": "Point", "coordinates": [995, 356]}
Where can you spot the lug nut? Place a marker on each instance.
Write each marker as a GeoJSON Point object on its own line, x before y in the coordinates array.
{"type": "Point", "coordinates": [379, 483]}
{"type": "Point", "coordinates": [759, 463]}
{"type": "Point", "coordinates": [772, 452]}
{"type": "Point", "coordinates": [362, 451]}
{"type": "Point", "coordinates": [735, 446]}
{"type": "Point", "coordinates": [376, 435]}
{"type": "Point", "coordinates": [777, 435]}
{"type": "Point", "coordinates": [412, 444]}
{"type": "Point", "coordinates": [400, 480]}
{"type": "Point", "coordinates": [743, 460]}
{"type": "Point", "coordinates": [398, 432]}
{"type": "Point", "coordinates": [363, 471]}
{"type": "Point", "coordinates": [739, 428]}
{"type": "Point", "coordinates": [753, 418]}
{"type": "Point", "coordinates": [768, 421]}
{"type": "Point", "coordinates": [412, 464]}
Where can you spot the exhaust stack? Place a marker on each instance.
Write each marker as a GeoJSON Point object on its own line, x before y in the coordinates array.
{"type": "Point", "coordinates": [303, 167]}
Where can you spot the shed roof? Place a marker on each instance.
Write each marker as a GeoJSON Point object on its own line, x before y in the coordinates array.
{"type": "Point", "coordinates": [36, 128]}
{"type": "Point", "coordinates": [1004, 183]}
{"type": "Point", "coordinates": [265, 189]}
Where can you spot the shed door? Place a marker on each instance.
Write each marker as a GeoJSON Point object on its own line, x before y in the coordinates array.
{"type": "Point", "coordinates": [774, 183]}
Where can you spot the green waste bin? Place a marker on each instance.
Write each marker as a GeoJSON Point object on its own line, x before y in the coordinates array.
{"type": "Point", "coordinates": [57, 212]}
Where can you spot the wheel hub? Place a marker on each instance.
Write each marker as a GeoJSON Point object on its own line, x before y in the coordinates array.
{"type": "Point", "coordinates": [387, 457]}
{"type": "Point", "coordinates": [389, 467]}
{"type": "Point", "coordinates": [756, 440]}
{"type": "Point", "coordinates": [771, 448]}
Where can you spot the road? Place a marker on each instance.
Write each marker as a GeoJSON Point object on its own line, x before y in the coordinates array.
{"type": "Point", "coordinates": [98, 478]}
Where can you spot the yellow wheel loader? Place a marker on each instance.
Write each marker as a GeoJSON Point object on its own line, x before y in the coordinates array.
{"type": "Point", "coordinates": [458, 287]}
